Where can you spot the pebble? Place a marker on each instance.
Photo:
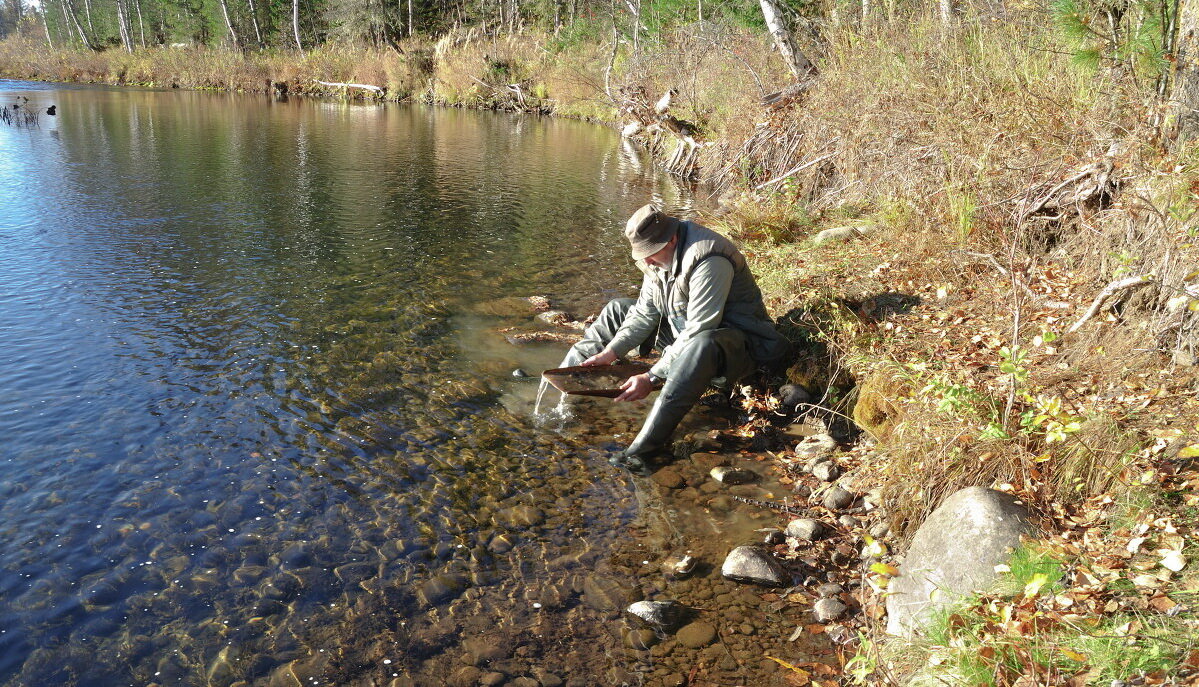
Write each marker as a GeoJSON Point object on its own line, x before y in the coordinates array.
{"type": "Point", "coordinates": [754, 565]}
{"type": "Point", "coordinates": [520, 374]}
{"type": "Point", "coordinates": [729, 475]}
{"type": "Point", "coordinates": [669, 478]}
{"type": "Point", "coordinates": [816, 446]}
{"type": "Point", "coordinates": [880, 530]}
{"type": "Point", "coordinates": [829, 589]}
{"type": "Point", "coordinates": [805, 529]}
{"type": "Point", "coordinates": [661, 615]}
{"type": "Point", "coordinates": [791, 395]}
{"type": "Point", "coordinates": [696, 635]}
{"type": "Point", "coordinates": [826, 471]}
{"type": "Point", "coordinates": [773, 537]}
{"type": "Point", "coordinates": [837, 498]}
{"type": "Point", "coordinates": [492, 679]}
{"type": "Point", "coordinates": [848, 521]}
{"type": "Point", "coordinates": [828, 609]}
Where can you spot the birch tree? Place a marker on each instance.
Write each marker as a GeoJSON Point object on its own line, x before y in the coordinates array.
{"type": "Point", "coordinates": [229, 24]}
{"type": "Point", "coordinates": [797, 62]}
{"type": "Point", "coordinates": [295, 23]}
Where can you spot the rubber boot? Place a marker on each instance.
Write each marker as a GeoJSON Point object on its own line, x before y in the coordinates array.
{"type": "Point", "coordinates": [711, 354]}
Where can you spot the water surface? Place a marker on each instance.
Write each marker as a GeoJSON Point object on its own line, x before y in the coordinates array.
{"type": "Point", "coordinates": [258, 414]}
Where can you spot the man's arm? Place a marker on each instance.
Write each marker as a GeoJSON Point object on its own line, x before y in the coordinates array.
{"type": "Point", "coordinates": [708, 292]}
{"type": "Point", "coordinates": [639, 324]}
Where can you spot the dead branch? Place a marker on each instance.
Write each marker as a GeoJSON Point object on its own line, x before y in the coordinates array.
{"type": "Point", "coordinates": [796, 170]}
{"type": "Point", "coordinates": [1118, 286]}
{"type": "Point", "coordinates": [338, 84]}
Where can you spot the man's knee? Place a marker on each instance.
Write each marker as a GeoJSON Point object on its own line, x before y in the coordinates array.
{"type": "Point", "coordinates": [619, 306]}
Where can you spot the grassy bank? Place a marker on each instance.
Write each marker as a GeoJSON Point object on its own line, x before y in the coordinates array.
{"type": "Point", "coordinates": [997, 187]}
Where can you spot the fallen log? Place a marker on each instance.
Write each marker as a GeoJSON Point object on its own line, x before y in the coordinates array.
{"type": "Point", "coordinates": [338, 84]}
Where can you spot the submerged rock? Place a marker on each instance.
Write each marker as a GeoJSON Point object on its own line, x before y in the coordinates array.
{"type": "Point", "coordinates": [660, 615]}
{"type": "Point", "coordinates": [696, 635]}
{"type": "Point", "coordinates": [679, 566]}
{"type": "Point", "coordinates": [756, 566]}
{"type": "Point", "coordinates": [730, 475]}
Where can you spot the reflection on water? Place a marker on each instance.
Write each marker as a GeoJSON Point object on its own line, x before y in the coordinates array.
{"type": "Point", "coordinates": [258, 425]}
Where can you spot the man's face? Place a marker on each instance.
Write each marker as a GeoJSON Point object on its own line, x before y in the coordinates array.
{"type": "Point", "coordinates": [663, 257]}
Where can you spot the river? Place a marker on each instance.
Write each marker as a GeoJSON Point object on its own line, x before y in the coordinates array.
{"type": "Point", "coordinates": [259, 419]}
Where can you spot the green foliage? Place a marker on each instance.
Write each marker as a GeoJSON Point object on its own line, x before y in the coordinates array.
{"type": "Point", "coordinates": [1118, 33]}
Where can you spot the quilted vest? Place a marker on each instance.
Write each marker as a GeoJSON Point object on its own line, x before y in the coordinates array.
{"type": "Point", "coordinates": [744, 308]}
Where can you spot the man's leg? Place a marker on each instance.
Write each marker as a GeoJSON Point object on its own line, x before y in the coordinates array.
{"type": "Point", "coordinates": [600, 332]}
{"type": "Point", "coordinates": [711, 354]}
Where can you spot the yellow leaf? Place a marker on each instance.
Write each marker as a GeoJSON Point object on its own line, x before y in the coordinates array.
{"type": "Point", "coordinates": [1072, 654]}
{"type": "Point", "coordinates": [884, 569]}
{"type": "Point", "coordinates": [1191, 451]}
{"type": "Point", "coordinates": [798, 671]}
{"type": "Point", "coordinates": [1034, 585]}
{"type": "Point", "coordinates": [874, 549]}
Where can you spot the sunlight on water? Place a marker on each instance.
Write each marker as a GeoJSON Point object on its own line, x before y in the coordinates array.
{"type": "Point", "coordinates": [260, 418]}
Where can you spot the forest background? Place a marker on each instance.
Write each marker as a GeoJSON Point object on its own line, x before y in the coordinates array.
{"type": "Point", "coordinates": [979, 219]}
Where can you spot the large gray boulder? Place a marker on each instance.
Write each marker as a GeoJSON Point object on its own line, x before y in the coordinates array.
{"type": "Point", "coordinates": [953, 554]}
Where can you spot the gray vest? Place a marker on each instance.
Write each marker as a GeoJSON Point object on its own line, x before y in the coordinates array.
{"type": "Point", "coordinates": [744, 309]}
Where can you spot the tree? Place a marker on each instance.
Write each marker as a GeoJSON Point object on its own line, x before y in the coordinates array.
{"type": "Point", "coordinates": [776, 23]}
{"type": "Point", "coordinates": [1184, 93]}
{"type": "Point", "coordinates": [295, 23]}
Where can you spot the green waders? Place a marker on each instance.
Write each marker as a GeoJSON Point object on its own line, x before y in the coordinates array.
{"type": "Point", "coordinates": [718, 357]}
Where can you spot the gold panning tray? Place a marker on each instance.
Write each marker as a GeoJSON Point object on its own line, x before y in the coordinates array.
{"type": "Point", "coordinates": [594, 380]}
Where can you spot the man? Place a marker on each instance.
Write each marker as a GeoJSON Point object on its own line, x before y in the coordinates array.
{"type": "Point", "coordinates": [700, 305]}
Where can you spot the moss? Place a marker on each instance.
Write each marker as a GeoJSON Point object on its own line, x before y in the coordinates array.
{"type": "Point", "coordinates": [878, 410]}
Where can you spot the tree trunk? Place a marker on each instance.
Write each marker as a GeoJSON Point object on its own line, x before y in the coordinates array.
{"type": "Point", "coordinates": [865, 19]}
{"type": "Point", "coordinates": [46, 26]}
{"type": "Point", "coordinates": [141, 27]}
{"type": "Point", "coordinates": [124, 26]}
{"type": "Point", "coordinates": [229, 24]}
{"type": "Point", "coordinates": [68, 9]}
{"type": "Point", "coordinates": [254, 21]}
{"type": "Point", "coordinates": [946, 10]}
{"type": "Point", "coordinates": [1182, 122]}
{"type": "Point", "coordinates": [295, 23]}
{"type": "Point", "coordinates": [87, 12]}
{"type": "Point", "coordinates": [797, 62]}
{"type": "Point", "coordinates": [411, 20]}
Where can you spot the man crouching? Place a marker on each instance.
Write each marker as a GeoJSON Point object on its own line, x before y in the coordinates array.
{"type": "Point", "coordinates": [699, 304]}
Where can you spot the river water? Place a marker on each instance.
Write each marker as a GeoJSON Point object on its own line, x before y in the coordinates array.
{"type": "Point", "coordinates": [258, 417]}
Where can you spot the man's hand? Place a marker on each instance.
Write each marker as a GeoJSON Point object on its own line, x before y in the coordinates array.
{"type": "Point", "coordinates": [635, 388]}
{"type": "Point", "coordinates": [604, 357]}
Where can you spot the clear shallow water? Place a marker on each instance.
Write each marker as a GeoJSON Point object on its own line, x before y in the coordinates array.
{"type": "Point", "coordinates": [258, 423]}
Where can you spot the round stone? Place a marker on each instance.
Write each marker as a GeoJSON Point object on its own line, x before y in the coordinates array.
{"type": "Point", "coordinates": [805, 529]}
{"type": "Point", "coordinates": [828, 609]}
{"type": "Point", "coordinates": [696, 635]}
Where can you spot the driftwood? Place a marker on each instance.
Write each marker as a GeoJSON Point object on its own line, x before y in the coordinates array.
{"type": "Point", "coordinates": [796, 170]}
{"type": "Point", "coordinates": [1092, 185]}
{"type": "Point", "coordinates": [364, 86]}
{"type": "Point", "coordinates": [1118, 286]}
{"type": "Point", "coordinates": [654, 119]}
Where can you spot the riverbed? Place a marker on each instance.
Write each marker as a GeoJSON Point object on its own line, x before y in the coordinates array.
{"type": "Point", "coordinates": [260, 420]}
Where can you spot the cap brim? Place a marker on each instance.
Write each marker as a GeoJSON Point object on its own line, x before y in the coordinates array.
{"type": "Point", "coordinates": [643, 252]}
